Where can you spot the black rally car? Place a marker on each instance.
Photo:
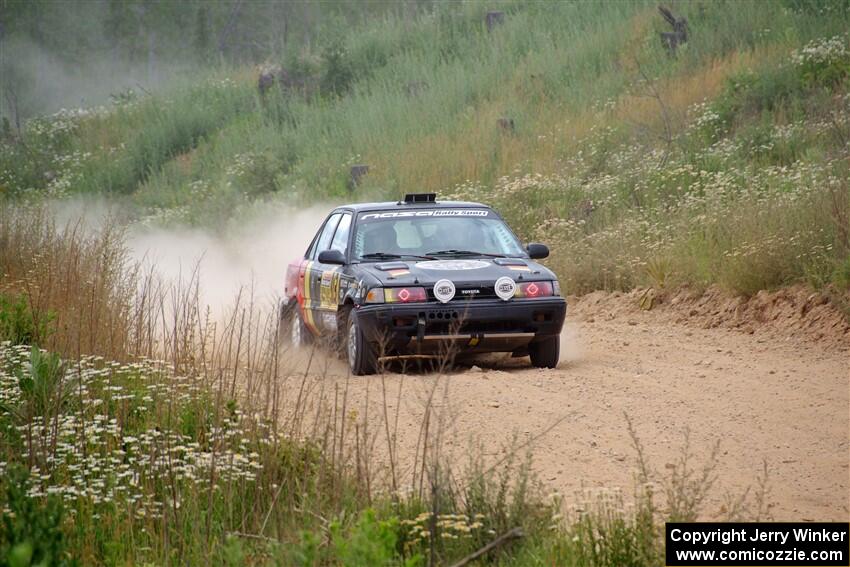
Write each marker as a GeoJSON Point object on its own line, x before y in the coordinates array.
{"type": "Point", "coordinates": [423, 277]}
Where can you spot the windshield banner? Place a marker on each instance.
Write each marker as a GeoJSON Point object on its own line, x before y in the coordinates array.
{"type": "Point", "coordinates": [430, 213]}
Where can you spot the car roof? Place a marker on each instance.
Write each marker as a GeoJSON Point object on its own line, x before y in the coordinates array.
{"type": "Point", "coordinates": [402, 206]}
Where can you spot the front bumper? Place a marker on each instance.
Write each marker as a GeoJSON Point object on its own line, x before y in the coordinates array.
{"type": "Point", "coordinates": [478, 325]}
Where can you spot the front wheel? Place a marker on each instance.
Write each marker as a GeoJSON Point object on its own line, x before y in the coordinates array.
{"type": "Point", "coordinates": [361, 356]}
{"type": "Point", "coordinates": [545, 352]}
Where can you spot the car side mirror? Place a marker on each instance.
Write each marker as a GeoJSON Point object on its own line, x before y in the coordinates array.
{"type": "Point", "coordinates": [537, 251]}
{"type": "Point", "coordinates": [333, 257]}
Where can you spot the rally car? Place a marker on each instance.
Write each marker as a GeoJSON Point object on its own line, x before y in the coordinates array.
{"type": "Point", "coordinates": [423, 277]}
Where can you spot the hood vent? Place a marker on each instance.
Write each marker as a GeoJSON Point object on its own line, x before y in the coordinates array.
{"type": "Point", "coordinates": [390, 266]}
{"type": "Point", "coordinates": [510, 262]}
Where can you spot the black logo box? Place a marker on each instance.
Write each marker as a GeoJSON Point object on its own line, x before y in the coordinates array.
{"type": "Point", "coordinates": [789, 543]}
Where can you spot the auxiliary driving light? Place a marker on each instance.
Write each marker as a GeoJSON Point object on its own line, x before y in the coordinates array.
{"type": "Point", "coordinates": [505, 288]}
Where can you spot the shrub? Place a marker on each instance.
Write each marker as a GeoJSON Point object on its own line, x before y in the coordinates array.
{"type": "Point", "coordinates": [18, 323]}
{"type": "Point", "coordinates": [750, 94]}
{"type": "Point", "coordinates": [824, 62]}
{"type": "Point", "coordinates": [31, 530]}
{"type": "Point", "coordinates": [369, 542]}
{"type": "Point", "coordinates": [338, 73]}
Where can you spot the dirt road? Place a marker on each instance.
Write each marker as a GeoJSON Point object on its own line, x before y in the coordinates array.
{"type": "Point", "coordinates": [764, 396]}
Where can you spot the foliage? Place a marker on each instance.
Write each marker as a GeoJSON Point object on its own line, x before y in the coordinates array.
{"type": "Point", "coordinates": [40, 386]}
{"type": "Point", "coordinates": [338, 74]}
{"type": "Point", "coordinates": [824, 61]}
{"type": "Point", "coordinates": [31, 531]}
{"type": "Point", "coordinates": [19, 324]}
{"type": "Point", "coordinates": [369, 542]}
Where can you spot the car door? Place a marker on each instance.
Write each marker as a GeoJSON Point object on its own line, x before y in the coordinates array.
{"type": "Point", "coordinates": [311, 276]}
{"type": "Point", "coordinates": [327, 277]}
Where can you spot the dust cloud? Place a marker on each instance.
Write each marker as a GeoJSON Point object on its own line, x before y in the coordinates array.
{"type": "Point", "coordinates": [39, 82]}
{"type": "Point", "coordinates": [572, 350]}
{"type": "Point", "coordinates": [251, 257]}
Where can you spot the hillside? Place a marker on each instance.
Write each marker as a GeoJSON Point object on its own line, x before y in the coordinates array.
{"type": "Point", "coordinates": [616, 144]}
{"type": "Point", "coordinates": [725, 162]}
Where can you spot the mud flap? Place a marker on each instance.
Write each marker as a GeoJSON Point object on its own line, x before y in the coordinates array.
{"type": "Point", "coordinates": [520, 352]}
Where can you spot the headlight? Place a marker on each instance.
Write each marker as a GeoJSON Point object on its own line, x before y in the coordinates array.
{"type": "Point", "coordinates": [405, 294]}
{"type": "Point", "coordinates": [396, 295]}
{"type": "Point", "coordinates": [534, 289]}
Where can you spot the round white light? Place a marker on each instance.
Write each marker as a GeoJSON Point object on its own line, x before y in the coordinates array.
{"type": "Point", "coordinates": [444, 290]}
{"type": "Point", "coordinates": [505, 288]}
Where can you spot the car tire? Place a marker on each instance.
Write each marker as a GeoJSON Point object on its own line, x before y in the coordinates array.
{"type": "Point", "coordinates": [360, 354]}
{"type": "Point", "coordinates": [296, 331]}
{"type": "Point", "coordinates": [545, 352]}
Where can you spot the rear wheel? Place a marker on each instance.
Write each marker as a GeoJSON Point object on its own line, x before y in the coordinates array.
{"type": "Point", "coordinates": [545, 352]}
{"type": "Point", "coordinates": [361, 356]}
{"type": "Point", "coordinates": [298, 333]}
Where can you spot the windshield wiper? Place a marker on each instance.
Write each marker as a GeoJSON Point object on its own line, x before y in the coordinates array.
{"type": "Point", "coordinates": [389, 256]}
{"type": "Point", "coordinates": [456, 252]}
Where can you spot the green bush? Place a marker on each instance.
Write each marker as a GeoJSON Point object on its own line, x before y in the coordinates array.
{"type": "Point", "coordinates": [31, 534]}
{"type": "Point", "coordinates": [751, 94]}
{"type": "Point", "coordinates": [338, 73]}
{"type": "Point", "coordinates": [369, 542]}
{"type": "Point", "coordinates": [19, 324]}
{"type": "Point", "coordinates": [40, 384]}
{"type": "Point", "coordinates": [824, 62]}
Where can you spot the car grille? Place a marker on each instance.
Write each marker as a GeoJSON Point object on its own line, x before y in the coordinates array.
{"type": "Point", "coordinates": [468, 292]}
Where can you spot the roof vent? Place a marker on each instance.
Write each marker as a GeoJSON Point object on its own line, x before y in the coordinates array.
{"type": "Point", "coordinates": [413, 198]}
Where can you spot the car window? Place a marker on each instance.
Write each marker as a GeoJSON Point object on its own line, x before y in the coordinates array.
{"type": "Point", "coordinates": [340, 240]}
{"type": "Point", "coordinates": [327, 233]}
{"type": "Point", "coordinates": [426, 231]}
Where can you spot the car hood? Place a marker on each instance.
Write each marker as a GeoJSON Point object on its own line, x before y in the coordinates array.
{"type": "Point", "coordinates": [461, 271]}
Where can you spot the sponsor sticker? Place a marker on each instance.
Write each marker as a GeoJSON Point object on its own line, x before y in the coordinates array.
{"type": "Point", "coordinates": [444, 290]}
{"type": "Point", "coordinates": [329, 289]}
{"type": "Point", "coordinates": [505, 288]}
{"type": "Point", "coordinates": [431, 213]}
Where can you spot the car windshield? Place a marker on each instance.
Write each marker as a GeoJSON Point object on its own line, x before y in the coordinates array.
{"type": "Point", "coordinates": [427, 234]}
